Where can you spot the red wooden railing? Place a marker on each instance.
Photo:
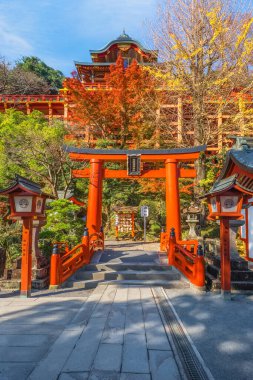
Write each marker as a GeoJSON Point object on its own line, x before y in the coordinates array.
{"type": "Point", "coordinates": [31, 98]}
{"type": "Point", "coordinates": [65, 262]}
{"type": "Point", "coordinates": [187, 256]}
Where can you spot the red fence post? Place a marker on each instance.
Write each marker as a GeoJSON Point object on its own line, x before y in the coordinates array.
{"type": "Point", "coordinates": [199, 268]}
{"type": "Point", "coordinates": [163, 241]}
{"type": "Point", "coordinates": [86, 243]}
{"type": "Point", "coordinates": [55, 262]}
{"type": "Point", "coordinates": [172, 243]}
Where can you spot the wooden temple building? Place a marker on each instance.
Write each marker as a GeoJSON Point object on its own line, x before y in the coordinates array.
{"type": "Point", "coordinates": [92, 73]}
{"type": "Point", "coordinates": [175, 112]}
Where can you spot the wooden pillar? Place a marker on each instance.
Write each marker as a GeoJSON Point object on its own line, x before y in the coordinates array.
{"type": "Point", "coordinates": [28, 109]}
{"type": "Point", "coordinates": [172, 198]}
{"type": "Point", "coordinates": [179, 119]}
{"type": "Point", "coordinates": [26, 269]}
{"type": "Point", "coordinates": [94, 213]}
{"type": "Point", "coordinates": [157, 129]}
{"type": "Point", "coordinates": [100, 199]}
{"type": "Point", "coordinates": [220, 134]}
{"type": "Point", "coordinates": [225, 257]}
{"type": "Point", "coordinates": [241, 106]}
{"type": "Point", "coordinates": [50, 111]}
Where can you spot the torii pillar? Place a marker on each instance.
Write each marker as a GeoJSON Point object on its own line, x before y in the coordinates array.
{"type": "Point", "coordinates": [172, 198]}
{"type": "Point", "coordinates": [94, 212]}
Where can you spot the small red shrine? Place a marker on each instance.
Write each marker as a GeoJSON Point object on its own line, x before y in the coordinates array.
{"type": "Point", "coordinates": [125, 220]}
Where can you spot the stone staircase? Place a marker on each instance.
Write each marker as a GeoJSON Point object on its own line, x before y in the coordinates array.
{"type": "Point", "coordinates": [148, 274]}
{"type": "Point", "coordinates": [241, 275]}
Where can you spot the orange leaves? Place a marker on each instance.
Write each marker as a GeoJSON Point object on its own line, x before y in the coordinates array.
{"type": "Point", "coordinates": [121, 110]}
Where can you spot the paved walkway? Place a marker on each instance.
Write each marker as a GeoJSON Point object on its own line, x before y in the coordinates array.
{"type": "Point", "coordinates": [119, 333]}
{"type": "Point", "coordinates": [115, 333]}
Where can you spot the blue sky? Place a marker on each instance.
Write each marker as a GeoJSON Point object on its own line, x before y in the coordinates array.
{"type": "Point", "coordinates": [61, 31]}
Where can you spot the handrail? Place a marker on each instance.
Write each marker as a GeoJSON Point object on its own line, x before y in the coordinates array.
{"type": "Point", "coordinates": [191, 264]}
{"type": "Point", "coordinates": [31, 98]}
{"type": "Point", "coordinates": [65, 264]}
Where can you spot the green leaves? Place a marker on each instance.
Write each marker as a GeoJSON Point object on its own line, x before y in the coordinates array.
{"type": "Point", "coordinates": [35, 65]}
{"type": "Point", "coordinates": [32, 147]}
{"type": "Point", "coordinates": [63, 223]}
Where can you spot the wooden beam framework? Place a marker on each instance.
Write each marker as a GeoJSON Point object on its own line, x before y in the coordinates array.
{"type": "Point", "coordinates": [179, 157]}
{"type": "Point", "coordinates": [153, 173]}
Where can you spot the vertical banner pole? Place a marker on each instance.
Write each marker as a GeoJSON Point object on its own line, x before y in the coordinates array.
{"type": "Point", "coordinates": [145, 227]}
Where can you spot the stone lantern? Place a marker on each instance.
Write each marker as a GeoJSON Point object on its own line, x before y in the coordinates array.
{"type": "Point", "coordinates": [192, 212]}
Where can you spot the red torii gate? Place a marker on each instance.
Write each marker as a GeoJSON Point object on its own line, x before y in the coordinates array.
{"type": "Point", "coordinates": [171, 172]}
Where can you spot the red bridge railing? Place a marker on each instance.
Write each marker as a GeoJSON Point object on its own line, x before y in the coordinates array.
{"type": "Point", "coordinates": [187, 256]}
{"type": "Point", "coordinates": [65, 262]}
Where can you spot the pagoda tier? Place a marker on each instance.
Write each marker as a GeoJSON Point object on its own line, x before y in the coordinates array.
{"type": "Point", "coordinates": [94, 72]}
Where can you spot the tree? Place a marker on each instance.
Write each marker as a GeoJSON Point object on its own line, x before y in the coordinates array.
{"type": "Point", "coordinates": [63, 224]}
{"type": "Point", "coordinates": [206, 47]}
{"type": "Point", "coordinates": [125, 108]}
{"type": "Point", "coordinates": [32, 147]}
{"type": "Point", "coordinates": [52, 77]}
{"type": "Point", "coordinates": [18, 81]}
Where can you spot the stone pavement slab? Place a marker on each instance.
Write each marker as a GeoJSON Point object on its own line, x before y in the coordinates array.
{"type": "Point", "coordinates": [163, 365]}
{"type": "Point", "coordinates": [51, 365]}
{"type": "Point", "coordinates": [104, 375]}
{"type": "Point", "coordinates": [14, 371]}
{"type": "Point", "coordinates": [134, 376]}
{"type": "Point", "coordinates": [21, 354]}
{"type": "Point", "coordinates": [108, 357]}
{"type": "Point", "coordinates": [74, 376]}
{"type": "Point", "coordinates": [83, 354]}
{"type": "Point", "coordinates": [155, 333]}
{"type": "Point", "coordinates": [23, 340]}
{"type": "Point", "coordinates": [135, 354]}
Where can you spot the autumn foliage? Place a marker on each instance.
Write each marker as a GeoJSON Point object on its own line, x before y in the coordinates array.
{"type": "Point", "coordinates": [123, 110]}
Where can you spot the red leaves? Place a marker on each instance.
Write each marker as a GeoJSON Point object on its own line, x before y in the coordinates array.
{"type": "Point", "coordinates": [119, 111]}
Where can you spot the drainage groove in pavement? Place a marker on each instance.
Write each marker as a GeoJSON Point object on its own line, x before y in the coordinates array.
{"type": "Point", "coordinates": [193, 368]}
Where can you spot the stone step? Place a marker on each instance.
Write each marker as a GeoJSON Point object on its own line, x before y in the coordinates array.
{"type": "Point", "coordinates": [90, 284]}
{"type": "Point", "coordinates": [214, 284]}
{"type": "Point", "coordinates": [242, 285]}
{"type": "Point", "coordinates": [239, 264]}
{"type": "Point", "coordinates": [126, 266]}
{"type": "Point", "coordinates": [127, 275]}
{"type": "Point", "coordinates": [245, 276]}
{"type": "Point", "coordinates": [165, 284]}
